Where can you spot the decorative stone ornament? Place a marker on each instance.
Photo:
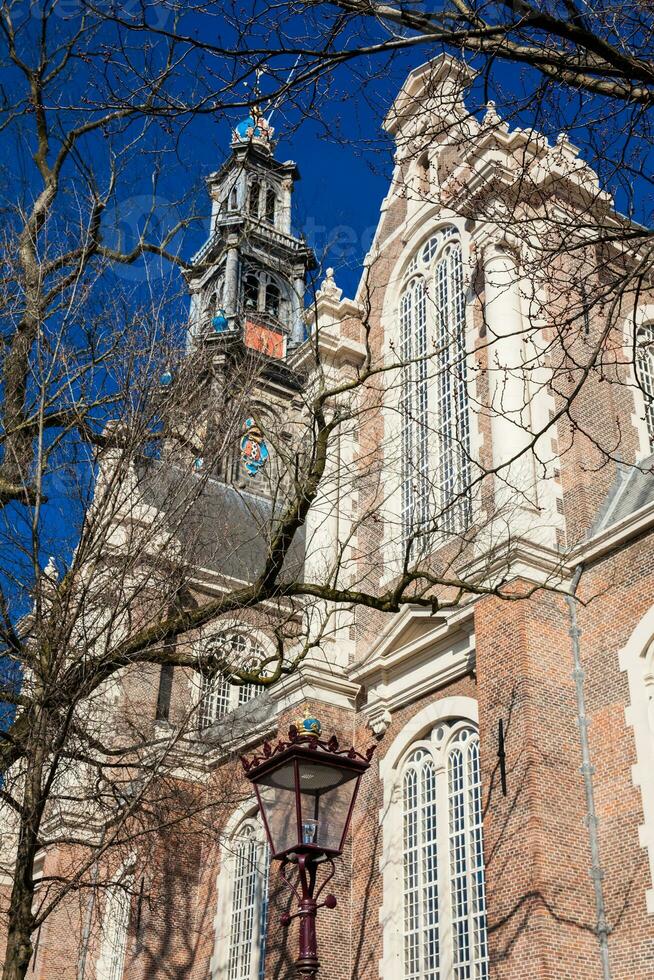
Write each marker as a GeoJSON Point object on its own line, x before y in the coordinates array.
{"type": "Point", "coordinates": [254, 451]}
{"type": "Point", "coordinates": [329, 289]}
{"type": "Point", "coordinates": [219, 322]}
{"type": "Point", "coordinates": [491, 116]}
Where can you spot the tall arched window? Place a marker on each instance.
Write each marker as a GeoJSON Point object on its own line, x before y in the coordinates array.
{"type": "Point", "coordinates": [115, 926]}
{"type": "Point", "coordinates": [241, 924]}
{"type": "Point", "coordinates": [645, 374]}
{"type": "Point", "coordinates": [434, 399]}
{"type": "Point", "coordinates": [414, 406]}
{"type": "Point", "coordinates": [443, 882]}
{"type": "Point", "coordinates": [249, 906]}
{"type": "Point", "coordinates": [218, 696]}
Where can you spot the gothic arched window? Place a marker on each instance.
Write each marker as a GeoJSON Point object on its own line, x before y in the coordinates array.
{"type": "Point", "coordinates": [218, 696]}
{"type": "Point", "coordinates": [434, 403]}
{"type": "Point", "coordinates": [443, 880]}
{"type": "Point", "coordinates": [645, 374]}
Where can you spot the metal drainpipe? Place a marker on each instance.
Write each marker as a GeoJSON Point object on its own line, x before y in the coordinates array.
{"type": "Point", "coordinates": [602, 928]}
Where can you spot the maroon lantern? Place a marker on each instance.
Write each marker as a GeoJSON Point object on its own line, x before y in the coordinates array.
{"type": "Point", "coordinates": [306, 789]}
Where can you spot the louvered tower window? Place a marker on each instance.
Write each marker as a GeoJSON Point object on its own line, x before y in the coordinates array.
{"type": "Point", "coordinates": [444, 901]}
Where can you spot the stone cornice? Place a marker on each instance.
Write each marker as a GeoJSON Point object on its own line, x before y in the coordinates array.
{"type": "Point", "coordinates": [333, 348]}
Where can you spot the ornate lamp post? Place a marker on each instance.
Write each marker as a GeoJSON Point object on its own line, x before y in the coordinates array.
{"type": "Point", "coordinates": [306, 789]}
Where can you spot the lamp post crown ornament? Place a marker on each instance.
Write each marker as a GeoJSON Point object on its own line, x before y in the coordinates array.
{"type": "Point", "coordinates": [306, 732]}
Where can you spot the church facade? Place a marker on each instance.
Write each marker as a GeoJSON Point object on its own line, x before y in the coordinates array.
{"type": "Point", "coordinates": [506, 826]}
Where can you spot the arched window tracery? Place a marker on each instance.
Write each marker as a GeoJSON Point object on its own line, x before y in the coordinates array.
{"type": "Point", "coordinates": [218, 696]}
{"type": "Point", "coordinates": [434, 402]}
{"type": "Point", "coordinates": [263, 292]}
{"type": "Point", "coordinates": [444, 910]}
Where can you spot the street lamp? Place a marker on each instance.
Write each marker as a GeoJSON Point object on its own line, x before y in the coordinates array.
{"type": "Point", "coordinates": [306, 789]}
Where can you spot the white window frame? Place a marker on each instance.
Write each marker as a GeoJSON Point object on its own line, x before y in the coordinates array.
{"type": "Point", "coordinates": [453, 715]}
{"type": "Point", "coordinates": [641, 318]}
{"type": "Point", "coordinates": [240, 934]}
{"type": "Point", "coordinates": [637, 660]}
{"type": "Point", "coordinates": [217, 696]}
{"type": "Point", "coordinates": [115, 930]}
{"type": "Point", "coordinates": [644, 368]}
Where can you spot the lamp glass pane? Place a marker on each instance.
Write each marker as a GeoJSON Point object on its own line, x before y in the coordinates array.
{"type": "Point", "coordinates": [327, 806]}
{"type": "Point", "coordinates": [277, 795]}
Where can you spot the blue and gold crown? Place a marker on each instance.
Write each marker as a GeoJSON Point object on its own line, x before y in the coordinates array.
{"type": "Point", "coordinates": [309, 725]}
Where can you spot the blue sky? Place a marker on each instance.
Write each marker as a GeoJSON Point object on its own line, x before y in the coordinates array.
{"type": "Point", "coordinates": [344, 158]}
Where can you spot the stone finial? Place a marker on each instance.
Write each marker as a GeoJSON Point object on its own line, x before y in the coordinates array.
{"type": "Point", "coordinates": [51, 571]}
{"type": "Point", "coordinates": [564, 148]}
{"type": "Point", "coordinates": [328, 288]}
{"type": "Point", "coordinates": [491, 116]}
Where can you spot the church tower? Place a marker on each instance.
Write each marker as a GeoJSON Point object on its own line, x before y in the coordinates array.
{"type": "Point", "coordinates": [247, 287]}
{"type": "Point", "coordinates": [248, 279]}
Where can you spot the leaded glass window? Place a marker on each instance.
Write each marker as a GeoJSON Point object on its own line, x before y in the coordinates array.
{"type": "Point", "coordinates": [434, 403]}
{"type": "Point", "coordinates": [645, 373]}
{"type": "Point", "coordinates": [443, 885]}
{"type": "Point", "coordinates": [249, 905]}
{"type": "Point", "coordinates": [218, 695]}
{"type": "Point", "coordinates": [414, 407]}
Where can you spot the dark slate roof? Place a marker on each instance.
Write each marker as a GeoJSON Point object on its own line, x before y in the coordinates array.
{"type": "Point", "coordinates": [633, 488]}
{"type": "Point", "coordinates": [221, 527]}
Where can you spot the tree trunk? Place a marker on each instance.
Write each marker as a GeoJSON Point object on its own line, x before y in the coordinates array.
{"type": "Point", "coordinates": [19, 938]}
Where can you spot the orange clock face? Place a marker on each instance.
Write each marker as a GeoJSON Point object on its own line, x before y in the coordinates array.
{"type": "Point", "coordinates": [264, 339]}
